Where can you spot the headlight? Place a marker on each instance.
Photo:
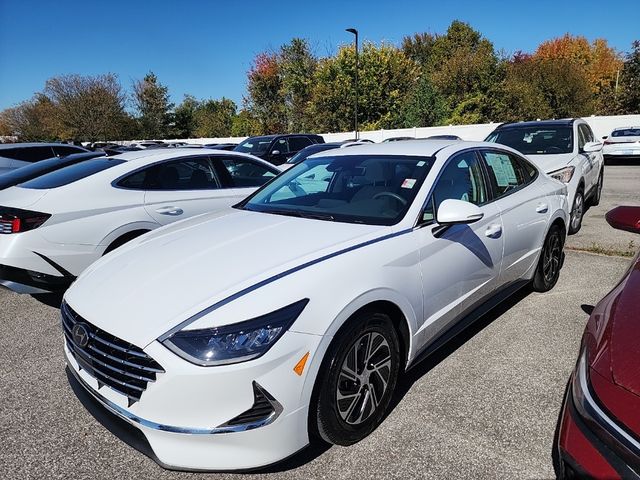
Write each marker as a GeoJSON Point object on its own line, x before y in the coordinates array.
{"type": "Point", "coordinates": [234, 343]}
{"type": "Point", "coordinates": [564, 174]}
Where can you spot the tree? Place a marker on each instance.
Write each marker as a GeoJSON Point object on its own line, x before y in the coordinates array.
{"type": "Point", "coordinates": [419, 48]}
{"type": "Point", "coordinates": [184, 117]}
{"type": "Point", "coordinates": [425, 106]}
{"type": "Point", "coordinates": [461, 65]}
{"type": "Point", "coordinates": [214, 118]}
{"type": "Point", "coordinates": [265, 99]}
{"type": "Point", "coordinates": [535, 87]}
{"type": "Point", "coordinates": [629, 91]}
{"type": "Point", "coordinates": [386, 75]}
{"type": "Point", "coordinates": [32, 120]}
{"type": "Point", "coordinates": [244, 124]}
{"type": "Point", "coordinates": [296, 68]}
{"type": "Point", "coordinates": [86, 107]}
{"type": "Point", "coordinates": [601, 65]}
{"type": "Point", "coordinates": [151, 100]}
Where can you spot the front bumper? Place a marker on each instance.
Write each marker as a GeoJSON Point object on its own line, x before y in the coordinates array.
{"type": "Point", "coordinates": [182, 416]}
{"type": "Point", "coordinates": [590, 444]}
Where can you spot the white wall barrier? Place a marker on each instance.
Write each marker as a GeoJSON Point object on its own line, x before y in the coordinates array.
{"type": "Point", "coordinates": [601, 126]}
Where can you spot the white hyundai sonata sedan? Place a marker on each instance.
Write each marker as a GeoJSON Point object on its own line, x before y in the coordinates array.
{"type": "Point", "coordinates": [52, 227]}
{"type": "Point", "coordinates": [231, 341]}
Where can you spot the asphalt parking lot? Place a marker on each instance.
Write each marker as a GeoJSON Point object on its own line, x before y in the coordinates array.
{"type": "Point", "coordinates": [484, 407]}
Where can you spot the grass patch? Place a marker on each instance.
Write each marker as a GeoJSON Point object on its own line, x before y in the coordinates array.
{"type": "Point", "coordinates": [595, 247]}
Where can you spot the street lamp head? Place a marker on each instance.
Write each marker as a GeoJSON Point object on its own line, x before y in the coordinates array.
{"type": "Point", "coordinates": [352, 30]}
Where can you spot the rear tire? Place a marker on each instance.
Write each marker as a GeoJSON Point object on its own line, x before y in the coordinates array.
{"type": "Point", "coordinates": [357, 379]}
{"type": "Point", "coordinates": [550, 262]}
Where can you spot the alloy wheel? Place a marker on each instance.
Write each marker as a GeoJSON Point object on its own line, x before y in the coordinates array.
{"type": "Point", "coordinates": [552, 257]}
{"type": "Point", "coordinates": [578, 210]}
{"type": "Point", "coordinates": [363, 378]}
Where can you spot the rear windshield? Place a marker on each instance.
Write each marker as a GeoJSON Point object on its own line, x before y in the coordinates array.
{"type": "Point", "coordinates": [535, 140]}
{"type": "Point", "coordinates": [72, 173]}
{"type": "Point", "coordinates": [627, 132]}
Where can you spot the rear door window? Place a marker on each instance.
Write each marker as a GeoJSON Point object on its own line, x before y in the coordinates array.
{"type": "Point", "coordinates": [184, 174]}
{"type": "Point", "coordinates": [507, 173]}
{"type": "Point", "coordinates": [72, 173]}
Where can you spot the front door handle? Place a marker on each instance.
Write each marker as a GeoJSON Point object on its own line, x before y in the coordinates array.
{"type": "Point", "coordinates": [173, 211]}
{"type": "Point", "coordinates": [493, 231]}
{"type": "Point", "coordinates": [542, 208]}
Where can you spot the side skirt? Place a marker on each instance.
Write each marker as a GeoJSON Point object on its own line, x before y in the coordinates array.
{"type": "Point", "coordinates": [467, 319]}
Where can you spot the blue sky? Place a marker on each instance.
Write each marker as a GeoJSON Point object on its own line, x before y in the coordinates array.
{"type": "Point", "coordinates": [206, 47]}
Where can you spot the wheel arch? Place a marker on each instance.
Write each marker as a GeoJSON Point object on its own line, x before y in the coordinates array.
{"type": "Point", "coordinates": [124, 238]}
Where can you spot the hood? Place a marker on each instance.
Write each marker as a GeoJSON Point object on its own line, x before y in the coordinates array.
{"type": "Point", "coordinates": [550, 163]}
{"type": "Point", "coordinates": [18, 197]}
{"type": "Point", "coordinates": [616, 326]}
{"type": "Point", "coordinates": [141, 291]}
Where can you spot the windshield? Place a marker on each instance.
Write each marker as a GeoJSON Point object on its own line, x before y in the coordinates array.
{"type": "Point", "coordinates": [254, 145]}
{"type": "Point", "coordinates": [369, 189]}
{"type": "Point", "coordinates": [626, 132]}
{"type": "Point", "coordinates": [536, 140]}
{"type": "Point", "coordinates": [72, 173]}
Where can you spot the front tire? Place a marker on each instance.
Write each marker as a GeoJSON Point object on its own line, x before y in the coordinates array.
{"type": "Point", "coordinates": [550, 262]}
{"type": "Point", "coordinates": [357, 379]}
{"type": "Point", "coordinates": [577, 212]}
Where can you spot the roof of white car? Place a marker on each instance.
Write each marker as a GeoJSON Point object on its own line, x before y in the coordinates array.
{"type": "Point", "coordinates": [422, 148]}
{"type": "Point", "coordinates": [165, 154]}
{"type": "Point", "coordinates": [34, 144]}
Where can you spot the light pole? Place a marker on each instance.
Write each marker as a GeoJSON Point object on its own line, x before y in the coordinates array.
{"type": "Point", "coordinates": [355, 32]}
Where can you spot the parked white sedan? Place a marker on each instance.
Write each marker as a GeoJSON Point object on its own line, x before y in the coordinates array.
{"type": "Point", "coordinates": [623, 142]}
{"type": "Point", "coordinates": [54, 226]}
{"type": "Point", "coordinates": [230, 341]}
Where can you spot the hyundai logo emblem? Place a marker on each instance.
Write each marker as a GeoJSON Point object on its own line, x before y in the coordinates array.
{"type": "Point", "coordinates": [80, 335]}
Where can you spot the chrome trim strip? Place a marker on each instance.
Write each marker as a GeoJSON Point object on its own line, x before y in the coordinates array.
{"type": "Point", "coordinates": [87, 355]}
{"type": "Point", "coordinates": [597, 414]}
{"type": "Point", "coordinates": [136, 420]}
{"type": "Point", "coordinates": [272, 279]}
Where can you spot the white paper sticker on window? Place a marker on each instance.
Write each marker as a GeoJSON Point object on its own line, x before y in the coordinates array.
{"type": "Point", "coordinates": [408, 183]}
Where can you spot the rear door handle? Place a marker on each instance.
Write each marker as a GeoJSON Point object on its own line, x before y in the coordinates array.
{"type": "Point", "coordinates": [542, 208]}
{"type": "Point", "coordinates": [493, 231]}
{"type": "Point", "coordinates": [173, 211]}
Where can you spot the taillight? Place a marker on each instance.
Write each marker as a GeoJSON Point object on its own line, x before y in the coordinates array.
{"type": "Point", "coordinates": [14, 220]}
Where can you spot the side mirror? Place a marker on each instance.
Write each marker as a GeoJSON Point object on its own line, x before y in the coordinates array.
{"type": "Point", "coordinates": [605, 137]}
{"type": "Point", "coordinates": [451, 212]}
{"type": "Point", "coordinates": [592, 147]}
{"type": "Point", "coordinates": [275, 152]}
{"type": "Point", "coordinates": [624, 218]}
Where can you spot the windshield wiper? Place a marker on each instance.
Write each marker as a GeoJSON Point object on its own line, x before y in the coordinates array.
{"type": "Point", "coordinates": [301, 214]}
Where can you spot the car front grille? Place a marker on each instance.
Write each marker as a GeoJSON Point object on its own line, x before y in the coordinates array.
{"type": "Point", "coordinates": [111, 361]}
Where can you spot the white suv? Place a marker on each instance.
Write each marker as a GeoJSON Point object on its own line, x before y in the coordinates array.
{"type": "Point", "coordinates": [566, 150]}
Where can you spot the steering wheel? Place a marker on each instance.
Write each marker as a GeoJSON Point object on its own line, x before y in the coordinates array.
{"type": "Point", "coordinates": [390, 194]}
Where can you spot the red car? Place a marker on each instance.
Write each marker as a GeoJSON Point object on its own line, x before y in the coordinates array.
{"type": "Point", "coordinates": [598, 433]}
